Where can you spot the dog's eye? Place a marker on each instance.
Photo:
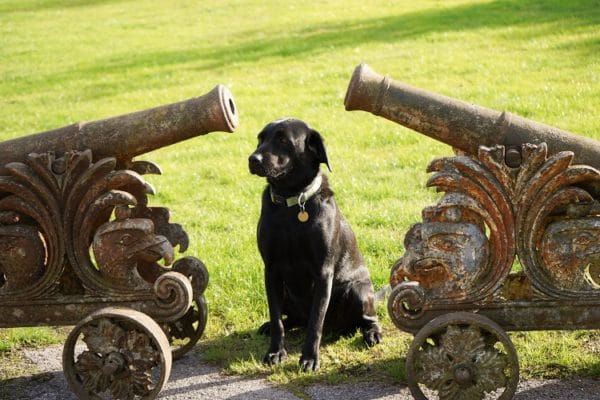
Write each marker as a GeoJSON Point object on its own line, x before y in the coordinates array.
{"type": "Point", "coordinates": [282, 139]}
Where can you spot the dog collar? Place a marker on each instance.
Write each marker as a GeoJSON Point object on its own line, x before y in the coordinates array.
{"type": "Point", "coordinates": [302, 197]}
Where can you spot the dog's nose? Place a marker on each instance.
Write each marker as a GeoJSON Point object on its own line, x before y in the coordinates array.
{"type": "Point", "coordinates": [255, 159]}
{"type": "Point", "coordinates": [255, 164]}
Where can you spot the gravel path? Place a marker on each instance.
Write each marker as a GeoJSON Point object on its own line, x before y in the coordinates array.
{"type": "Point", "coordinates": [192, 379]}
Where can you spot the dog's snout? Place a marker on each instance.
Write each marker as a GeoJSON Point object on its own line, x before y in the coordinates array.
{"type": "Point", "coordinates": [255, 158]}
{"type": "Point", "coordinates": [255, 164]}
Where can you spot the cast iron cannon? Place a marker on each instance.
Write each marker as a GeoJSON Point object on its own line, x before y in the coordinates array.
{"type": "Point", "coordinates": [79, 245]}
{"type": "Point", "coordinates": [126, 136]}
{"type": "Point", "coordinates": [518, 191]}
{"type": "Point", "coordinates": [460, 124]}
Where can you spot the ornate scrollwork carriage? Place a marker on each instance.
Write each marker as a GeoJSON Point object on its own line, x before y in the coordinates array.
{"type": "Point", "coordinates": [516, 190]}
{"type": "Point", "coordinates": [80, 245]}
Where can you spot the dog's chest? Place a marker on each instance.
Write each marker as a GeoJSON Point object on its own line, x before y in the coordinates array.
{"type": "Point", "coordinates": [286, 241]}
{"type": "Point", "coordinates": [297, 257]}
{"type": "Point", "coordinates": [291, 237]}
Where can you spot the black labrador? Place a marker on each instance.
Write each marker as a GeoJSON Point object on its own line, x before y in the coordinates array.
{"type": "Point", "coordinates": [315, 274]}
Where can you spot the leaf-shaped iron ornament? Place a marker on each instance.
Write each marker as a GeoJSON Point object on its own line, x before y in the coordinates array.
{"type": "Point", "coordinates": [546, 212]}
{"type": "Point", "coordinates": [465, 245]}
{"type": "Point", "coordinates": [558, 224]}
{"type": "Point", "coordinates": [54, 209]}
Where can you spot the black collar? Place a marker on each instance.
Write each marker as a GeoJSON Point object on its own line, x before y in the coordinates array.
{"type": "Point", "coordinates": [313, 188]}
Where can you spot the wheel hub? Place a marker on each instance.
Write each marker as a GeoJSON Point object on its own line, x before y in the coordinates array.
{"type": "Point", "coordinates": [463, 375]}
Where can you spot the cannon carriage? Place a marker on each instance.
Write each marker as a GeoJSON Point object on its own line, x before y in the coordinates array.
{"type": "Point", "coordinates": [80, 245]}
{"type": "Point", "coordinates": [517, 190]}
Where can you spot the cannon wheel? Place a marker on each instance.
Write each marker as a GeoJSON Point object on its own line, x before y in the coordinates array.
{"type": "Point", "coordinates": [184, 333]}
{"type": "Point", "coordinates": [117, 353]}
{"type": "Point", "coordinates": [462, 356]}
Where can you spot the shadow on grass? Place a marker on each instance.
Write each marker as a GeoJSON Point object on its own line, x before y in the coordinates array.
{"type": "Point", "coordinates": [342, 361]}
{"type": "Point", "coordinates": [22, 5]}
{"type": "Point", "coordinates": [348, 361]}
{"type": "Point", "coordinates": [306, 41]}
{"type": "Point", "coordinates": [321, 38]}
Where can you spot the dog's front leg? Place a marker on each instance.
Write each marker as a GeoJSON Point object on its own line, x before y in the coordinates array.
{"type": "Point", "coordinates": [309, 361]}
{"type": "Point", "coordinates": [274, 288]}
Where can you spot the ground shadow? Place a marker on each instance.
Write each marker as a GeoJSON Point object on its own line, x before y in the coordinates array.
{"type": "Point", "coordinates": [51, 384]}
{"type": "Point", "coordinates": [318, 38]}
{"type": "Point", "coordinates": [248, 348]}
{"type": "Point", "coordinates": [304, 41]}
{"type": "Point", "coordinates": [565, 389]}
{"type": "Point", "coordinates": [21, 6]}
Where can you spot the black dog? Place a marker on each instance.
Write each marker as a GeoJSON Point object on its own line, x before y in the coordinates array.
{"type": "Point", "coordinates": [314, 271]}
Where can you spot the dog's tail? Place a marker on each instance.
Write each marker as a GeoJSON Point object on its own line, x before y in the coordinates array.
{"type": "Point", "coordinates": [382, 293]}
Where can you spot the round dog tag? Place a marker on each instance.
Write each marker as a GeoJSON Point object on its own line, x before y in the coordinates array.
{"type": "Point", "coordinates": [302, 216]}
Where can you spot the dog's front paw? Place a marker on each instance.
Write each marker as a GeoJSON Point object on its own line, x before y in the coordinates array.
{"type": "Point", "coordinates": [372, 336]}
{"type": "Point", "coordinates": [275, 357]}
{"type": "Point", "coordinates": [309, 362]}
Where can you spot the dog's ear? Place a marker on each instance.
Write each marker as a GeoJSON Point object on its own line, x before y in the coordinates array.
{"type": "Point", "coordinates": [315, 144]}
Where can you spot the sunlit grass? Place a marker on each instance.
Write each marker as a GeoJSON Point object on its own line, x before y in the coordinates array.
{"type": "Point", "coordinates": [64, 61]}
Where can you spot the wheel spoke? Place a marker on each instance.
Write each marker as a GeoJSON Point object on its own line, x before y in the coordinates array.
{"type": "Point", "coordinates": [471, 358]}
{"type": "Point", "coordinates": [117, 353]}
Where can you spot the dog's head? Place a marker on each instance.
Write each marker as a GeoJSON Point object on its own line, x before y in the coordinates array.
{"type": "Point", "coordinates": [289, 151]}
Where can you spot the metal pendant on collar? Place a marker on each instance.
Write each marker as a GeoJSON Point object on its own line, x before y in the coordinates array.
{"type": "Point", "coordinates": [302, 215]}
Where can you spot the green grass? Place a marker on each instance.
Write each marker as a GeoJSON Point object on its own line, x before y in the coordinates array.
{"type": "Point", "coordinates": [14, 339]}
{"type": "Point", "coordinates": [64, 61]}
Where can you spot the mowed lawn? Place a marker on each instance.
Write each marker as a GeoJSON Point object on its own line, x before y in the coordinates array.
{"type": "Point", "coordinates": [66, 61]}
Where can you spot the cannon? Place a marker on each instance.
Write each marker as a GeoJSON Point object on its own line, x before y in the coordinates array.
{"type": "Point", "coordinates": [80, 245]}
{"type": "Point", "coordinates": [126, 136]}
{"type": "Point", "coordinates": [457, 123]}
{"type": "Point", "coordinates": [512, 245]}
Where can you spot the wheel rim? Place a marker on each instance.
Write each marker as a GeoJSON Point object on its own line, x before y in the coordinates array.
{"type": "Point", "coordinates": [117, 353]}
{"type": "Point", "coordinates": [184, 333]}
{"type": "Point", "coordinates": [462, 356]}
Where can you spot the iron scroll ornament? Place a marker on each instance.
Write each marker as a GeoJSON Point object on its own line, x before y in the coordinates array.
{"type": "Point", "coordinates": [546, 212]}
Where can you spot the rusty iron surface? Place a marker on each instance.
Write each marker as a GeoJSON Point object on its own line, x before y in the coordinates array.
{"type": "Point", "coordinates": [516, 192]}
{"type": "Point", "coordinates": [126, 136]}
{"type": "Point", "coordinates": [78, 235]}
{"type": "Point", "coordinates": [117, 351]}
{"type": "Point", "coordinates": [411, 310]}
{"type": "Point", "coordinates": [50, 222]}
{"type": "Point", "coordinates": [543, 214]}
{"type": "Point", "coordinates": [462, 356]}
{"type": "Point", "coordinates": [458, 123]}
{"type": "Point", "coordinates": [80, 245]}
{"type": "Point", "coordinates": [513, 243]}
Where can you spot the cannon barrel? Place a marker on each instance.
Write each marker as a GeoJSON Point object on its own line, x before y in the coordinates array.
{"type": "Point", "coordinates": [129, 135]}
{"type": "Point", "coordinates": [458, 123]}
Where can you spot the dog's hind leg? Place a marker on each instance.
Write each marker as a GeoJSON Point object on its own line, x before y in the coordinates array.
{"type": "Point", "coordinates": [353, 307]}
{"type": "Point", "coordinates": [369, 326]}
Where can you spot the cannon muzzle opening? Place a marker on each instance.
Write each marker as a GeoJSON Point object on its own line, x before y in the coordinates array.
{"type": "Point", "coordinates": [366, 87]}
{"type": "Point", "coordinates": [228, 108]}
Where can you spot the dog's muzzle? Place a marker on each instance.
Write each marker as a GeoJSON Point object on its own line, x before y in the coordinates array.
{"type": "Point", "coordinates": [255, 164]}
